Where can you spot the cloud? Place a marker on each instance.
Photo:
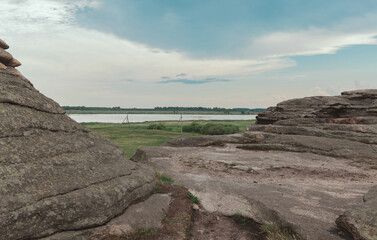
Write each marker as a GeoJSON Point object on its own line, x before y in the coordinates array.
{"type": "Point", "coordinates": [38, 16]}
{"type": "Point", "coordinates": [318, 91]}
{"type": "Point", "coordinates": [64, 60]}
{"type": "Point", "coordinates": [76, 65]}
{"type": "Point", "coordinates": [312, 41]}
{"type": "Point", "coordinates": [188, 81]}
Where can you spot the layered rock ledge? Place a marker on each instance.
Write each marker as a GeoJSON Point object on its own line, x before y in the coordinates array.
{"type": "Point", "coordinates": [306, 163]}
{"type": "Point", "coordinates": [56, 176]}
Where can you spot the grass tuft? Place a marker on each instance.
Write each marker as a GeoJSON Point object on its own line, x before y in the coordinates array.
{"type": "Point", "coordinates": [139, 234]}
{"type": "Point", "coordinates": [274, 232]}
{"type": "Point", "coordinates": [164, 179]}
{"type": "Point", "coordinates": [238, 218]}
{"type": "Point", "coordinates": [193, 198]}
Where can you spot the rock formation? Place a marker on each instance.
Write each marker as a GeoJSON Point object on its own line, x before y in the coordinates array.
{"type": "Point", "coordinates": [361, 220]}
{"type": "Point", "coordinates": [309, 165]}
{"type": "Point", "coordinates": [353, 107]}
{"type": "Point", "coordinates": [306, 163]}
{"type": "Point", "coordinates": [56, 176]}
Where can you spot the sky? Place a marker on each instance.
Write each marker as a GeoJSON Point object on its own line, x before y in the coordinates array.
{"type": "Point", "coordinates": [209, 53]}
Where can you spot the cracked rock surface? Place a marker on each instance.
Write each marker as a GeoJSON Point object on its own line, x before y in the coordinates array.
{"type": "Point", "coordinates": [305, 163]}
{"type": "Point", "coordinates": [55, 175]}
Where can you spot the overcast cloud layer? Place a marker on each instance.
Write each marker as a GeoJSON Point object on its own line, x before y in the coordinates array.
{"type": "Point", "coordinates": [82, 65]}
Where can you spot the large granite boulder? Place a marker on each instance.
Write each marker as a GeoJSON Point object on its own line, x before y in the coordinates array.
{"type": "Point", "coordinates": [342, 126]}
{"type": "Point", "coordinates": [55, 175]}
{"type": "Point", "coordinates": [307, 162]}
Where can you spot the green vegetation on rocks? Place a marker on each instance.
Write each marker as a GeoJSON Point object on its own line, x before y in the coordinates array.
{"type": "Point", "coordinates": [193, 198]}
{"type": "Point", "coordinates": [164, 179]}
{"type": "Point", "coordinates": [274, 232]}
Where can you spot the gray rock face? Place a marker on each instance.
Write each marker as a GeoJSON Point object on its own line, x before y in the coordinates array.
{"type": "Point", "coordinates": [56, 175]}
{"type": "Point", "coordinates": [361, 220]}
{"type": "Point", "coordinates": [352, 106]}
{"type": "Point", "coordinates": [3, 44]}
{"type": "Point", "coordinates": [143, 215]}
{"type": "Point", "coordinates": [314, 162]}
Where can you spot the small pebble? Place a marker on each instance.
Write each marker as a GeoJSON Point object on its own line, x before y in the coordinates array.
{"type": "Point", "coordinates": [195, 207]}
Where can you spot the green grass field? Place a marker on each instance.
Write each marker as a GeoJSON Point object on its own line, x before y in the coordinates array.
{"type": "Point", "coordinates": [131, 137]}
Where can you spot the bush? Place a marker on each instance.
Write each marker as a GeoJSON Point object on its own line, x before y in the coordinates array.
{"type": "Point", "coordinates": [211, 128]}
{"type": "Point", "coordinates": [193, 127]}
{"type": "Point", "coordinates": [156, 126]}
{"type": "Point", "coordinates": [218, 129]}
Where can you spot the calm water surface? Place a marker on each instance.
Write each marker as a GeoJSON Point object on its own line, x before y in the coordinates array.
{"type": "Point", "coordinates": [119, 118]}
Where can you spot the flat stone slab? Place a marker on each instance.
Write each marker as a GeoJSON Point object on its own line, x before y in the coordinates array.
{"type": "Point", "coordinates": [361, 220]}
{"type": "Point", "coordinates": [143, 215]}
{"type": "Point", "coordinates": [148, 214]}
{"type": "Point", "coordinates": [304, 191]}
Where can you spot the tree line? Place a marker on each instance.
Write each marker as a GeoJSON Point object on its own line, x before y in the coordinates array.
{"type": "Point", "coordinates": [170, 109]}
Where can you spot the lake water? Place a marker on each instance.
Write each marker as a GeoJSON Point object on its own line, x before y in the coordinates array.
{"type": "Point", "coordinates": [118, 118]}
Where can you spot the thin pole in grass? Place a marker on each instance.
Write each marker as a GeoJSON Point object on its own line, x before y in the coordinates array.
{"type": "Point", "coordinates": [127, 121]}
{"type": "Point", "coordinates": [181, 120]}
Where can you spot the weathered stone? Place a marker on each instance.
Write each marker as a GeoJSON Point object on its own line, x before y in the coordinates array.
{"type": "Point", "coordinates": [56, 175]}
{"type": "Point", "coordinates": [144, 215]}
{"type": "Point", "coordinates": [312, 162]}
{"type": "Point", "coordinates": [3, 44]}
{"type": "Point", "coordinates": [371, 195]}
{"type": "Point", "coordinates": [17, 91]}
{"type": "Point", "coordinates": [14, 63]}
{"type": "Point", "coordinates": [5, 57]}
{"type": "Point", "coordinates": [147, 214]}
{"type": "Point", "coordinates": [2, 66]}
{"type": "Point", "coordinates": [302, 191]}
{"type": "Point", "coordinates": [15, 72]}
{"type": "Point", "coordinates": [349, 105]}
{"type": "Point", "coordinates": [361, 220]}
{"type": "Point", "coordinates": [361, 94]}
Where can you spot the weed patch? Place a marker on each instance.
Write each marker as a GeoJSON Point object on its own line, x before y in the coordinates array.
{"type": "Point", "coordinates": [164, 179]}
{"type": "Point", "coordinates": [193, 198]}
{"type": "Point", "coordinates": [238, 218]}
{"type": "Point", "coordinates": [274, 232]}
{"type": "Point", "coordinates": [141, 233]}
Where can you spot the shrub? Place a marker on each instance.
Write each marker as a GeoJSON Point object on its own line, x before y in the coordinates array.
{"type": "Point", "coordinates": [193, 127]}
{"type": "Point", "coordinates": [273, 232]}
{"type": "Point", "coordinates": [218, 129]}
{"type": "Point", "coordinates": [157, 126]}
{"type": "Point", "coordinates": [211, 128]}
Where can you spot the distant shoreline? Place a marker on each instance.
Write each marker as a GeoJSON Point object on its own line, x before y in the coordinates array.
{"type": "Point", "coordinates": [161, 112]}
